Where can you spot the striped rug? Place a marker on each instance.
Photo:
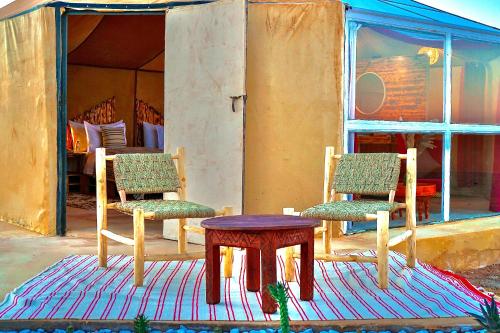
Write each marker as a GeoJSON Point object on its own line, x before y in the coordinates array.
{"type": "Point", "coordinates": [75, 288]}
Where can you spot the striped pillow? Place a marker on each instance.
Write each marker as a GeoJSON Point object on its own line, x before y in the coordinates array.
{"type": "Point", "coordinates": [113, 137]}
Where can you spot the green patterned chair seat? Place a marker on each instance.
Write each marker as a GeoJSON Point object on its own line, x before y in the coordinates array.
{"type": "Point", "coordinates": [167, 209]}
{"type": "Point", "coordinates": [349, 210]}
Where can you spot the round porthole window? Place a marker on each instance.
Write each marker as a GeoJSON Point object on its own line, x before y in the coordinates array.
{"type": "Point", "coordinates": [370, 93]}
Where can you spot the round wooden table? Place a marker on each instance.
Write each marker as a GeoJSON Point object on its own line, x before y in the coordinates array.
{"type": "Point", "coordinates": [261, 235]}
{"type": "Point", "coordinates": [425, 191]}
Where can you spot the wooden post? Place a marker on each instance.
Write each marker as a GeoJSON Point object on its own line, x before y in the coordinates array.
{"type": "Point", "coordinates": [327, 183]}
{"type": "Point", "coordinates": [181, 232]}
{"type": "Point", "coordinates": [411, 198]}
{"type": "Point", "coordinates": [289, 261]}
{"type": "Point", "coordinates": [383, 248]}
{"type": "Point", "coordinates": [228, 251]}
{"type": "Point", "coordinates": [327, 236]}
{"type": "Point", "coordinates": [138, 247]}
{"type": "Point", "coordinates": [181, 172]}
{"type": "Point", "coordinates": [101, 198]}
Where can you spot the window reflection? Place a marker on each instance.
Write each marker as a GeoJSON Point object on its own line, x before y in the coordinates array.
{"type": "Point", "coordinates": [410, 68]}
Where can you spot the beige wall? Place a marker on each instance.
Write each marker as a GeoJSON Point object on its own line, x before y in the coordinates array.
{"type": "Point", "coordinates": [294, 109]}
{"type": "Point", "coordinates": [28, 121]}
{"type": "Point", "coordinates": [150, 88]}
{"type": "Point", "coordinates": [88, 86]}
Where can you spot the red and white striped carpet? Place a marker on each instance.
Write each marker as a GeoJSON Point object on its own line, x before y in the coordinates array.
{"type": "Point", "coordinates": [76, 288]}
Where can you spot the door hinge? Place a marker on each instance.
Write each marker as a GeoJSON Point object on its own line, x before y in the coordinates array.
{"type": "Point", "coordinates": [233, 101]}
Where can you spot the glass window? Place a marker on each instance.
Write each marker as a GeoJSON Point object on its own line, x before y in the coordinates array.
{"type": "Point", "coordinates": [429, 172]}
{"type": "Point", "coordinates": [399, 75]}
{"type": "Point", "coordinates": [400, 78]}
{"type": "Point", "coordinates": [475, 82]}
{"type": "Point", "coordinates": [475, 176]}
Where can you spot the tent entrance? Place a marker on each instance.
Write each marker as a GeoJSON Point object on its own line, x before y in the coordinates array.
{"type": "Point", "coordinates": [114, 77]}
{"type": "Point", "coordinates": [201, 97]}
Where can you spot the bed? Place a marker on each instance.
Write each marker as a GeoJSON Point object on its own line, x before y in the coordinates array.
{"type": "Point", "coordinates": [105, 113]}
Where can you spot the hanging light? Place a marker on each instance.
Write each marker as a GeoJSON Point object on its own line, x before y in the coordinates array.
{"type": "Point", "coordinates": [431, 52]}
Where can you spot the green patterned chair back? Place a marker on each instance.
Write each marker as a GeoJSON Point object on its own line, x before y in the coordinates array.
{"type": "Point", "coordinates": [145, 173]}
{"type": "Point", "coordinates": [374, 173]}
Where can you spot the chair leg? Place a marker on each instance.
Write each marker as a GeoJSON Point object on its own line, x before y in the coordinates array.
{"type": "Point", "coordinates": [289, 264]}
{"type": "Point", "coordinates": [102, 241]}
{"type": "Point", "coordinates": [411, 223]}
{"type": "Point", "coordinates": [102, 211]}
{"type": "Point", "coordinates": [228, 251]}
{"type": "Point", "coordinates": [138, 247]}
{"type": "Point", "coordinates": [382, 248]}
{"type": "Point", "coordinates": [411, 242]}
{"type": "Point", "coordinates": [327, 237]}
{"type": "Point", "coordinates": [228, 262]}
{"type": "Point", "coordinates": [181, 237]}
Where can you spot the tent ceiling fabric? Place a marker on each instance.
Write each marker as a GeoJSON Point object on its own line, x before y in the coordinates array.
{"type": "Point", "coordinates": [157, 64]}
{"type": "Point", "coordinates": [81, 27]}
{"type": "Point", "coordinates": [119, 41]}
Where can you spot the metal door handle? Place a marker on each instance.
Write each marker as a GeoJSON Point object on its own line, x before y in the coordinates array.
{"type": "Point", "coordinates": [234, 98]}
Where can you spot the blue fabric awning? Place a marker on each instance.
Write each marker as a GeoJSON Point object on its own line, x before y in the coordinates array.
{"type": "Point", "coordinates": [414, 10]}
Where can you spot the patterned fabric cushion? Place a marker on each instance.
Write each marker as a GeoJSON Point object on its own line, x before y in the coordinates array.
{"type": "Point", "coordinates": [374, 173]}
{"type": "Point", "coordinates": [113, 137]}
{"type": "Point", "coordinates": [145, 173]}
{"type": "Point", "coordinates": [160, 135]}
{"type": "Point", "coordinates": [348, 210]}
{"type": "Point", "coordinates": [149, 135]}
{"type": "Point", "coordinates": [79, 137]}
{"type": "Point", "coordinates": [94, 133]}
{"type": "Point", "coordinates": [167, 209]}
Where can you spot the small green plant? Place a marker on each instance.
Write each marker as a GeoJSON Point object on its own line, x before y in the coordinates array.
{"type": "Point", "coordinates": [490, 318]}
{"type": "Point", "coordinates": [279, 292]}
{"type": "Point", "coordinates": [141, 324]}
{"type": "Point", "coordinates": [70, 329]}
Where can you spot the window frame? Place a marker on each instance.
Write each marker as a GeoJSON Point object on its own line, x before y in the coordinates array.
{"type": "Point", "coordinates": [353, 21]}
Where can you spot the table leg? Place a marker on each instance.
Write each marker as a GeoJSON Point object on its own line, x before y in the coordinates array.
{"type": "Point", "coordinates": [420, 208]}
{"type": "Point", "coordinates": [212, 255]}
{"type": "Point", "coordinates": [268, 277]}
{"type": "Point", "coordinates": [426, 207]}
{"type": "Point", "coordinates": [307, 268]}
{"type": "Point", "coordinates": [253, 269]}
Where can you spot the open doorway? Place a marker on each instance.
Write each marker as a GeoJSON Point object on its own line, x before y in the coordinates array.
{"type": "Point", "coordinates": [115, 99]}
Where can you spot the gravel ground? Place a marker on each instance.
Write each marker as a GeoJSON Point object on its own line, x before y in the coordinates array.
{"type": "Point", "coordinates": [487, 277]}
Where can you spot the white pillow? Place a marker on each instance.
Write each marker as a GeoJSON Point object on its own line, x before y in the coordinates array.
{"type": "Point", "coordinates": [94, 136]}
{"type": "Point", "coordinates": [150, 138]}
{"type": "Point", "coordinates": [160, 134]}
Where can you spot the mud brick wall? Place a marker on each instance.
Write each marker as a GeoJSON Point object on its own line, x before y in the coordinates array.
{"type": "Point", "coordinates": [405, 80]}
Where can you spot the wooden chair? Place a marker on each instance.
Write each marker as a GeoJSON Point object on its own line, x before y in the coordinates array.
{"type": "Point", "coordinates": [364, 174]}
{"type": "Point", "coordinates": [146, 174]}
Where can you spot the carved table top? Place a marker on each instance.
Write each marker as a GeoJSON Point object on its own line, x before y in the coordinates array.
{"type": "Point", "coordinates": [259, 222]}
